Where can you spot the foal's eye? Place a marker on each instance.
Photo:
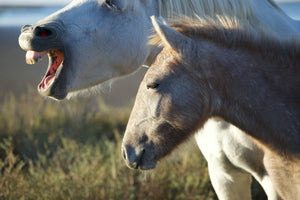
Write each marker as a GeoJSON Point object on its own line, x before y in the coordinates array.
{"type": "Point", "coordinates": [111, 4]}
{"type": "Point", "coordinates": [152, 85]}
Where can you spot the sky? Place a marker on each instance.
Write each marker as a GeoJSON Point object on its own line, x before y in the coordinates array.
{"type": "Point", "coordinates": [33, 2]}
{"type": "Point", "coordinates": [64, 2]}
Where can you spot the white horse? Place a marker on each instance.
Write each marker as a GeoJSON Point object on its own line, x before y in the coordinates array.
{"type": "Point", "coordinates": [92, 41]}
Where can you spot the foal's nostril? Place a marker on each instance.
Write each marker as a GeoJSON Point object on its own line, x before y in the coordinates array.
{"type": "Point", "coordinates": [42, 31]}
{"type": "Point", "coordinates": [132, 157]}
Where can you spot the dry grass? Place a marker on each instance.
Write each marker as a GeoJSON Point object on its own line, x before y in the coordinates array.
{"type": "Point", "coordinates": [71, 150]}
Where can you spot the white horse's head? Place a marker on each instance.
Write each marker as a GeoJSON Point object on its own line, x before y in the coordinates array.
{"type": "Point", "coordinates": [92, 41]}
{"type": "Point", "coordinates": [88, 42]}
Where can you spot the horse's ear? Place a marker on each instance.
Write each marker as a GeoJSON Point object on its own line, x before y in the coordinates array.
{"type": "Point", "coordinates": [169, 36]}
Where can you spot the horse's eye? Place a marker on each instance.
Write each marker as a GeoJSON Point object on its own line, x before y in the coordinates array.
{"type": "Point", "coordinates": [111, 4]}
{"type": "Point", "coordinates": [152, 85]}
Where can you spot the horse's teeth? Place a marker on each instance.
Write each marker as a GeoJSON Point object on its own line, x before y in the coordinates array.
{"type": "Point", "coordinates": [33, 57]}
{"type": "Point", "coordinates": [30, 61]}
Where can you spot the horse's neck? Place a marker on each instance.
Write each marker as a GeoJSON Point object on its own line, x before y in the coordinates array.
{"type": "Point", "coordinates": [250, 99]}
{"type": "Point", "coordinates": [268, 126]}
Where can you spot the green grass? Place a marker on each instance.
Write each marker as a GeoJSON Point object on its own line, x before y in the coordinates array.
{"type": "Point", "coordinates": [71, 150]}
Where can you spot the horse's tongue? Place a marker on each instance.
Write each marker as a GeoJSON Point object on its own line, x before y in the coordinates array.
{"type": "Point", "coordinates": [33, 56]}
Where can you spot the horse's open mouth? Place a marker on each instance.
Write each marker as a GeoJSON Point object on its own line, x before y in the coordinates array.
{"type": "Point", "coordinates": [56, 59]}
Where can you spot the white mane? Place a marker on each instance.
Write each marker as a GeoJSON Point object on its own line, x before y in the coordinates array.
{"type": "Point", "coordinates": [210, 8]}
{"type": "Point", "coordinates": [243, 11]}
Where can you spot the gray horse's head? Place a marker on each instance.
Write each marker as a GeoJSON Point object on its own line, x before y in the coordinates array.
{"type": "Point", "coordinates": [167, 110]}
{"type": "Point", "coordinates": [88, 42]}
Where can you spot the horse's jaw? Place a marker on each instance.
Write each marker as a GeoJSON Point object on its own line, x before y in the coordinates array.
{"type": "Point", "coordinates": [56, 62]}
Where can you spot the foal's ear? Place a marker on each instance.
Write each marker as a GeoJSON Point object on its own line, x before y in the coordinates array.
{"type": "Point", "coordinates": [169, 36]}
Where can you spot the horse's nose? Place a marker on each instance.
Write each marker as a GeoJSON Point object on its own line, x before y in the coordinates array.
{"type": "Point", "coordinates": [131, 157]}
{"type": "Point", "coordinates": [40, 31]}
{"type": "Point", "coordinates": [43, 31]}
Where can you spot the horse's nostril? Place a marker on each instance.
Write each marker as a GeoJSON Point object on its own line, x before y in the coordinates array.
{"type": "Point", "coordinates": [42, 31]}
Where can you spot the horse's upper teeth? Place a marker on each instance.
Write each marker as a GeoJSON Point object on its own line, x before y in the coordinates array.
{"type": "Point", "coordinates": [33, 57]}
{"type": "Point", "coordinates": [31, 61]}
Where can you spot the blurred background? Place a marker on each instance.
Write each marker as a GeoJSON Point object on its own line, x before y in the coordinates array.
{"type": "Point", "coordinates": [71, 149]}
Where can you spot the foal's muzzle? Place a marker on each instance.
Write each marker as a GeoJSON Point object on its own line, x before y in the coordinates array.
{"type": "Point", "coordinates": [132, 158]}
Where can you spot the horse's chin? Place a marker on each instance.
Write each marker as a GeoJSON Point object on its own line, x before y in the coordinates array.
{"type": "Point", "coordinates": [53, 93]}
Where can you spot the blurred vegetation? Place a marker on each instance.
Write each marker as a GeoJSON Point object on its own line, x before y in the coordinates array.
{"type": "Point", "coordinates": [71, 150]}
